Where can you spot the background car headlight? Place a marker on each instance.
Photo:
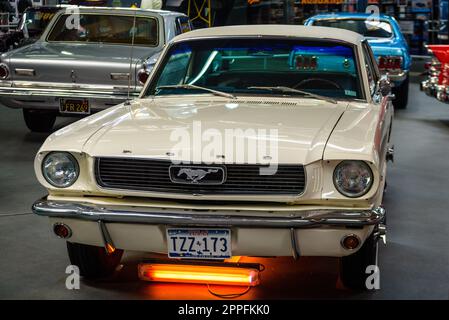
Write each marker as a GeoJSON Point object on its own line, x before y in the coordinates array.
{"type": "Point", "coordinates": [60, 169]}
{"type": "Point", "coordinates": [353, 178]}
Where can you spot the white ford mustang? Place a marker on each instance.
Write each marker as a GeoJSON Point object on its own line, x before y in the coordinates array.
{"type": "Point", "coordinates": [249, 141]}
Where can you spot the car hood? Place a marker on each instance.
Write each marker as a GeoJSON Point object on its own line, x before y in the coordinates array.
{"type": "Point", "coordinates": [297, 129]}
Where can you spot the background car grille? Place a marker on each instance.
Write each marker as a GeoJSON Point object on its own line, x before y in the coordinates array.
{"type": "Point", "coordinates": [153, 175]}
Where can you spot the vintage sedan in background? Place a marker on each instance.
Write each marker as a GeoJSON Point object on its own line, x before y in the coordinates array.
{"type": "Point", "coordinates": [133, 177]}
{"type": "Point", "coordinates": [80, 66]}
{"type": "Point", "coordinates": [386, 40]}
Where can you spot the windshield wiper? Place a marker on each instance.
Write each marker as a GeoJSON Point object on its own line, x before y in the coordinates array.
{"type": "Point", "coordinates": [288, 89]}
{"type": "Point", "coordinates": [194, 87]}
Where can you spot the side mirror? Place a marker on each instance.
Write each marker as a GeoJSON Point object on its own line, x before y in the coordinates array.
{"type": "Point", "coordinates": [384, 86]}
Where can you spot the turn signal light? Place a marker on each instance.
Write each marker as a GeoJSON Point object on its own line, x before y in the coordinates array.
{"type": "Point", "coordinates": [62, 231]}
{"type": "Point", "coordinates": [187, 273]}
{"type": "Point", "coordinates": [350, 242]}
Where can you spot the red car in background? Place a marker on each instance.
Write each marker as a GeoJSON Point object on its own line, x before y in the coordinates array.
{"type": "Point", "coordinates": [437, 82]}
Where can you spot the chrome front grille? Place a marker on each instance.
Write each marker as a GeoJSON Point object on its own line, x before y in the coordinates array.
{"type": "Point", "coordinates": [153, 175]}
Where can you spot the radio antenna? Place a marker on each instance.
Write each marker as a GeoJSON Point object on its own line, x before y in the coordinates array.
{"type": "Point", "coordinates": [133, 30]}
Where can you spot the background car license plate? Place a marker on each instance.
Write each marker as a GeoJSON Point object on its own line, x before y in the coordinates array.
{"type": "Point", "coordinates": [199, 243]}
{"type": "Point", "coordinates": [74, 106]}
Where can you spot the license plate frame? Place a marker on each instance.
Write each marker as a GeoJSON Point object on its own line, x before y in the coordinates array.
{"type": "Point", "coordinates": [74, 106]}
{"type": "Point", "coordinates": [212, 249]}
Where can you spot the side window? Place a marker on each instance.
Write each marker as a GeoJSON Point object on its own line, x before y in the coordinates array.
{"type": "Point", "coordinates": [182, 25]}
{"type": "Point", "coordinates": [175, 69]}
{"type": "Point", "coordinates": [370, 69]}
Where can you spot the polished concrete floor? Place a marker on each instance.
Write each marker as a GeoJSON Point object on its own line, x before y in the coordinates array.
{"type": "Point", "coordinates": [413, 265]}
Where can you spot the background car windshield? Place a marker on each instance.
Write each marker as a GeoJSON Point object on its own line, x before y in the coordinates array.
{"type": "Point", "coordinates": [367, 28]}
{"type": "Point", "coordinates": [236, 65]}
{"type": "Point", "coordinates": [111, 29]}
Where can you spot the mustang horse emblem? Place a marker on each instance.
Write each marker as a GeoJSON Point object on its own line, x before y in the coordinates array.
{"type": "Point", "coordinates": [195, 175]}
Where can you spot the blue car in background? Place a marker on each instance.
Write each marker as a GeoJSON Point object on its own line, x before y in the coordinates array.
{"type": "Point", "coordinates": [386, 40]}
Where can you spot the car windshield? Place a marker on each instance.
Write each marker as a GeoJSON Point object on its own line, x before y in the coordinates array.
{"type": "Point", "coordinates": [36, 20]}
{"type": "Point", "coordinates": [259, 66]}
{"type": "Point", "coordinates": [366, 27]}
{"type": "Point", "coordinates": [105, 28]}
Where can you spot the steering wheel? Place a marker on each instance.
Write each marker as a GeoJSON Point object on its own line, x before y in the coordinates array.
{"type": "Point", "coordinates": [327, 82]}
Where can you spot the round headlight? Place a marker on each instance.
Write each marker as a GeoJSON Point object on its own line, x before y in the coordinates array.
{"type": "Point", "coordinates": [353, 178]}
{"type": "Point", "coordinates": [60, 169]}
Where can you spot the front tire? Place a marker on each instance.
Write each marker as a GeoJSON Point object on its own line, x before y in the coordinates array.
{"type": "Point", "coordinates": [401, 93]}
{"type": "Point", "coordinates": [353, 267]}
{"type": "Point", "coordinates": [39, 121]}
{"type": "Point", "coordinates": [93, 262]}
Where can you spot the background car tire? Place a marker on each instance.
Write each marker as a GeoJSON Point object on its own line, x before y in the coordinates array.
{"type": "Point", "coordinates": [93, 261]}
{"type": "Point", "coordinates": [39, 121]}
{"type": "Point", "coordinates": [401, 93]}
{"type": "Point", "coordinates": [353, 267]}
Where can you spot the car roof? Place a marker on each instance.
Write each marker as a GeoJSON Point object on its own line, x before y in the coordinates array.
{"type": "Point", "coordinates": [49, 7]}
{"type": "Point", "coordinates": [356, 15]}
{"type": "Point", "coordinates": [296, 31]}
{"type": "Point", "coordinates": [125, 9]}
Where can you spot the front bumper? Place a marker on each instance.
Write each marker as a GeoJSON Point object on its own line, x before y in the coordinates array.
{"type": "Point", "coordinates": [310, 232]}
{"type": "Point", "coordinates": [301, 219]}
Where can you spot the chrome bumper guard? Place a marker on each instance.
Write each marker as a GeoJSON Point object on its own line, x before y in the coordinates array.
{"type": "Point", "coordinates": [431, 88]}
{"type": "Point", "coordinates": [14, 92]}
{"type": "Point", "coordinates": [213, 218]}
{"type": "Point", "coordinates": [397, 76]}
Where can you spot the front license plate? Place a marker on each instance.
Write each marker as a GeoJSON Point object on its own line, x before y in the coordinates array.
{"type": "Point", "coordinates": [74, 106]}
{"type": "Point", "coordinates": [199, 243]}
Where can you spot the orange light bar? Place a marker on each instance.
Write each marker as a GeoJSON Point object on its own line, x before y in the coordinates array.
{"type": "Point", "coordinates": [199, 274]}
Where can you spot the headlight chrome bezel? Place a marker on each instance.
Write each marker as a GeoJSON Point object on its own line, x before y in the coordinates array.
{"type": "Point", "coordinates": [349, 194]}
{"type": "Point", "coordinates": [71, 157]}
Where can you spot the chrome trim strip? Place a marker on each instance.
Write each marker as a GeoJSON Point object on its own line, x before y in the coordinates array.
{"type": "Point", "coordinates": [32, 92]}
{"type": "Point", "coordinates": [120, 75]}
{"type": "Point", "coordinates": [37, 85]}
{"type": "Point", "coordinates": [25, 72]}
{"type": "Point", "coordinates": [298, 219]}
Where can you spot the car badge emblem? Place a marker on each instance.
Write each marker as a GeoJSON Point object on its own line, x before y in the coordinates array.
{"type": "Point", "coordinates": [197, 174]}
